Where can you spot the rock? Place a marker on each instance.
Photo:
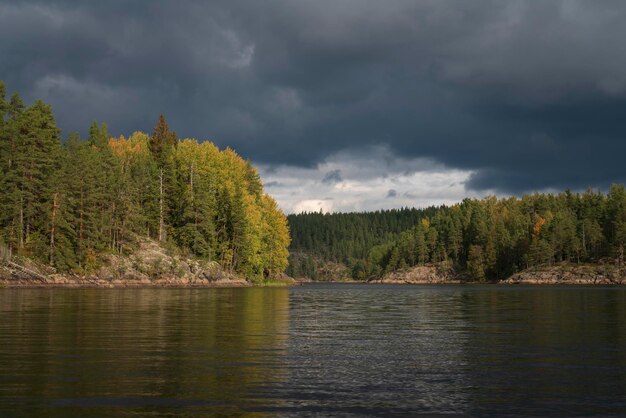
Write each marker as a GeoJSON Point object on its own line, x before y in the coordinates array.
{"type": "Point", "coordinates": [566, 273]}
{"type": "Point", "coordinates": [150, 265]}
{"type": "Point", "coordinates": [433, 273]}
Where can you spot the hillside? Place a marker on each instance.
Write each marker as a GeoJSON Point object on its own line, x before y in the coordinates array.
{"type": "Point", "coordinates": [323, 244]}
{"type": "Point", "coordinates": [74, 204]}
{"type": "Point", "coordinates": [149, 265]}
{"type": "Point", "coordinates": [482, 240]}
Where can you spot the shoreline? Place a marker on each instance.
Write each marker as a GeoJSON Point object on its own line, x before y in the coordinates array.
{"type": "Point", "coordinates": [174, 284]}
{"type": "Point", "coordinates": [560, 274]}
{"type": "Point", "coordinates": [12, 278]}
{"type": "Point", "coordinates": [225, 284]}
{"type": "Point", "coordinates": [149, 266]}
{"type": "Point", "coordinates": [79, 282]}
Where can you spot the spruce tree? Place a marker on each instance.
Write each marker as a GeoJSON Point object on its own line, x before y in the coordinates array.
{"type": "Point", "coordinates": [162, 142]}
{"type": "Point", "coordinates": [36, 154]}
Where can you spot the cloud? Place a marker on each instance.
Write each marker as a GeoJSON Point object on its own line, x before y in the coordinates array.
{"type": "Point", "coordinates": [389, 183]}
{"type": "Point", "coordinates": [313, 205]}
{"type": "Point", "coordinates": [524, 95]}
{"type": "Point", "coordinates": [332, 177]}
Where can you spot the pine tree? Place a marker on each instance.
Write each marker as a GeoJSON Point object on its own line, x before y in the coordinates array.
{"type": "Point", "coordinates": [476, 263]}
{"type": "Point", "coordinates": [197, 207]}
{"type": "Point", "coordinates": [100, 200]}
{"type": "Point", "coordinates": [162, 142]}
{"type": "Point", "coordinates": [63, 250]}
{"type": "Point", "coordinates": [36, 149]}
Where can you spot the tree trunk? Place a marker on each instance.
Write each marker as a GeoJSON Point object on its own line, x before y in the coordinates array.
{"type": "Point", "coordinates": [191, 179]}
{"type": "Point", "coordinates": [113, 228]}
{"type": "Point", "coordinates": [22, 219]}
{"type": "Point", "coordinates": [195, 209]}
{"type": "Point", "coordinates": [584, 241]}
{"type": "Point", "coordinates": [80, 217]}
{"type": "Point", "coordinates": [161, 221]}
{"type": "Point", "coordinates": [55, 206]}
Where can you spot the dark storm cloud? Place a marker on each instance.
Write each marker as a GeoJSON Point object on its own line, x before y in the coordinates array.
{"type": "Point", "coordinates": [391, 193]}
{"type": "Point", "coordinates": [526, 94]}
{"type": "Point", "coordinates": [332, 177]}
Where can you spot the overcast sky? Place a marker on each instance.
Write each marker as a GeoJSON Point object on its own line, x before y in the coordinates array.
{"type": "Point", "coordinates": [346, 104]}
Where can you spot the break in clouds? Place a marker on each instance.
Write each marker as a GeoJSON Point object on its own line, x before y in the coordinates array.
{"type": "Point", "coordinates": [365, 180]}
{"type": "Point", "coordinates": [350, 104]}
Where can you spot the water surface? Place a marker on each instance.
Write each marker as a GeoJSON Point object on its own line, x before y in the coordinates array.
{"type": "Point", "coordinates": [346, 350]}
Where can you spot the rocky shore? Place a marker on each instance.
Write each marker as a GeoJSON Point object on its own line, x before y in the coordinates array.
{"type": "Point", "coordinates": [566, 273]}
{"type": "Point", "coordinates": [90, 281]}
{"type": "Point", "coordinates": [152, 266]}
{"type": "Point", "coordinates": [149, 266]}
{"type": "Point", "coordinates": [435, 273]}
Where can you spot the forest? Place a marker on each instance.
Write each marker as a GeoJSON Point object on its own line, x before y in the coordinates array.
{"type": "Point", "coordinates": [488, 239]}
{"type": "Point", "coordinates": [67, 202]}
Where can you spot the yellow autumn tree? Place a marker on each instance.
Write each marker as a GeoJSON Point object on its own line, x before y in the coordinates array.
{"type": "Point", "coordinates": [275, 238]}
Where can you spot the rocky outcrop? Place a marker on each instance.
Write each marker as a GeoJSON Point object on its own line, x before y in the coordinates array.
{"type": "Point", "coordinates": [570, 274]}
{"type": "Point", "coordinates": [565, 273]}
{"type": "Point", "coordinates": [434, 273]}
{"type": "Point", "coordinates": [89, 281]}
{"type": "Point", "coordinates": [325, 270]}
{"type": "Point", "coordinates": [149, 266]}
{"type": "Point", "coordinates": [330, 271]}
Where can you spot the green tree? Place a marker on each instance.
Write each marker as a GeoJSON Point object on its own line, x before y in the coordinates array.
{"type": "Point", "coordinates": [476, 263]}
{"type": "Point", "coordinates": [162, 142]}
{"type": "Point", "coordinates": [37, 147]}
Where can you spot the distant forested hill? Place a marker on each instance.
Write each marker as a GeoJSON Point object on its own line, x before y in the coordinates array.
{"type": "Point", "coordinates": [68, 204]}
{"type": "Point", "coordinates": [344, 237]}
{"type": "Point", "coordinates": [489, 238]}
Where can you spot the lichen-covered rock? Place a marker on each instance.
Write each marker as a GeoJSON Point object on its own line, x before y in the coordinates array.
{"type": "Point", "coordinates": [149, 265]}
{"type": "Point", "coordinates": [566, 273]}
{"type": "Point", "coordinates": [433, 273]}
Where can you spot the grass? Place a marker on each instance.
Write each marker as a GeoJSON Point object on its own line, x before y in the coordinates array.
{"type": "Point", "coordinates": [273, 282]}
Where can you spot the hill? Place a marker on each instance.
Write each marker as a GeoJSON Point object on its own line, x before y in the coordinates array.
{"type": "Point", "coordinates": [72, 204]}
{"type": "Point", "coordinates": [482, 240]}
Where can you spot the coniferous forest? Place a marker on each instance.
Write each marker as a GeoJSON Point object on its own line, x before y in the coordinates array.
{"type": "Point", "coordinates": [489, 239]}
{"type": "Point", "coordinates": [68, 202]}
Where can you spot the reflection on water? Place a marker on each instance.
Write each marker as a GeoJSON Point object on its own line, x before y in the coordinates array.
{"type": "Point", "coordinates": [120, 352]}
{"type": "Point", "coordinates": [314, 350]}
{"type": "Point", "coordinates": [364, 349]}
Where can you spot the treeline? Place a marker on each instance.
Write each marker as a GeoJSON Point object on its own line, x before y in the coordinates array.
{"type": "Point", "coordinates": [67, 203]}
{"type": "Point", "coordinates": [343, 237]}
{"type": "Point", "coordinates": [493, 238]}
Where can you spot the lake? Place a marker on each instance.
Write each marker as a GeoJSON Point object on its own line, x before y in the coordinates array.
{"type": "Point", "coordinates": [314, 350]}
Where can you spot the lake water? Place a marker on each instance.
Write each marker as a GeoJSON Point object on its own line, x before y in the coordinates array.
{"type": "Point", "coordinates": [314, 350]}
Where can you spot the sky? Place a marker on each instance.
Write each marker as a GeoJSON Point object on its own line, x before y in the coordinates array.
{"type": "Point", "coordinates": [346, 104]}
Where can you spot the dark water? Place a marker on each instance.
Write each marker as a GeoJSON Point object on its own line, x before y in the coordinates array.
{"type": "Point", "coordinates": [316, 350]}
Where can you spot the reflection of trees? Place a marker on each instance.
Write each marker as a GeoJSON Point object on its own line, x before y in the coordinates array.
{"type": "Point", "coordinates": [140, 350]}
{"type": "Point", "coordinates": [482, 350]}
{"type": "Point", "coordinates": [546, 349]}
